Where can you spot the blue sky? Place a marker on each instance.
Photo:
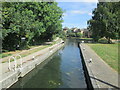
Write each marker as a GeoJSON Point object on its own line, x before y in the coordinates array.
{"type": "Point", "coordinates": [77, 13]}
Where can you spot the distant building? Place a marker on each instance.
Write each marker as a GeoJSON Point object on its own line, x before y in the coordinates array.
{"type": "Point", "coordinates": [65, 29]}
{"type": "Point", "coordinates": [75, 30]}
{"type": "Point", "coordinates": [86, 33]}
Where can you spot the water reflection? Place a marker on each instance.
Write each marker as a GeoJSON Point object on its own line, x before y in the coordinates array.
{"type": "Point", "coordinates": [71, 66]}
{"type": "Point", "coordinates": [62, 70]}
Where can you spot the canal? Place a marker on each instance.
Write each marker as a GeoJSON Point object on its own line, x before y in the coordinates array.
{"type": "Point", "coordinates": [62, 70]}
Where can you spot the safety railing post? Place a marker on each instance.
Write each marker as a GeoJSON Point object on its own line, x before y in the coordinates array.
{"type": "Point", "coordinates": [15, 64]}
{"type": "Point", "coordinates": [20, 60]}
{"type": "Point", "coordinates": [10, 63]}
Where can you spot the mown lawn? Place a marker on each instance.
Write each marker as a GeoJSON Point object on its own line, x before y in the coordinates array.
{"type": "Point", "coordinates": [109, 53]}
{"type": "Point", "coordinates": [87, 38]}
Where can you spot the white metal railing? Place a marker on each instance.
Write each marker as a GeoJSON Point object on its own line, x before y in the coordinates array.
{"type": "Point", "coordinates": [10, 63]}
{"type": "Point", "coordinates": [21, 61]}
{"type": "Point", "coordinates": [15, 62]}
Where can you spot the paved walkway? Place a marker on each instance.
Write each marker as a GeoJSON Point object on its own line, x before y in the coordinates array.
{"type": "Point", "coordinates": [101, 75]}
{"type": "Point", "coordinates": [4, 66]}
{"type": "Point", "coordinates": [22, 52]}
{"type": "Point", "coordinates": [25, 51]}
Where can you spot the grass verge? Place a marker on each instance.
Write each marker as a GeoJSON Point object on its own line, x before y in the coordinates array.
{"type": "Point", "coordinates": [27, 52]}
{"type": "Point", "coordinates": [86, 38]}
{"type": "Point", "coordinates": [109, 53]}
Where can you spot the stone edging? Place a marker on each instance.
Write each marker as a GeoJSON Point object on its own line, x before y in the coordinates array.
{"type": "Point", "coordinates": [98, 73]}
{"type": "Point", "coordinates": [91, 83]}
{"type": "Point", "coordinates": [12, 76]}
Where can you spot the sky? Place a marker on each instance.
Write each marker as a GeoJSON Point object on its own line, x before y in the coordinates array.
{"type": "Point", "coordinates": [77, 13]}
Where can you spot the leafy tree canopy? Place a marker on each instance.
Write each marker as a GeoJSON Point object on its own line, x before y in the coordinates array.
{"type": "Point", "coordinates": [34, 21]}
{"type": "Point", "coordinates": [105, 21]}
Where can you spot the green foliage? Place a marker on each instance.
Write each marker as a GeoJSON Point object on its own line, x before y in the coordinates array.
{"type": "Point", "coordinates": [103, 40]}
{"type": "Point", "coordinates": [35, 21]}
{"type": "Point", "coordinates": [79, 34]}
{"type": "Point", "coordinates": [72, 34]}
{"type": "Point", "coordinates": [105, 22]}
{"type": "Point", "coordinates": [62, 35]}
{"type": "Point", "coordinates": [54, 37]}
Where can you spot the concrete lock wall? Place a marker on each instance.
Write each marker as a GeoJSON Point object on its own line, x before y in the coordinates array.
{"type": "Point", "coordinates": [91, 84]}
{"type": "Point", "coordinates": [97, 72]}
{"type": "Point", "coordinates": [86, 71]}
{"type": "Point", "coordinates": [9, 80]}
{"type": "Point", "coordinates": [12, 76]}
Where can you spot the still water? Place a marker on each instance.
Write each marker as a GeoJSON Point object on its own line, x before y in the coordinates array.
{"type": "Point", "coordinates": [62, 70]}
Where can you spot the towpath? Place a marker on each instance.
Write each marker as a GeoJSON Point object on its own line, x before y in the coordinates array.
{"type": "Point", "coordinates": [4, 67]}
{"type": "Point", "coordinates": [101, 75]}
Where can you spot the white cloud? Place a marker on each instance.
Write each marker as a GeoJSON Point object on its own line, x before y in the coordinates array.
{"type": "Point", "coordinates": [71, 25]}
{"type": "Point", "coordinates": [76, 0]}
{"type": "Point", "coordinates": [90, 14]}
{"type": "Point", "coordinates": [89, 0]}
{"type": "Point", "coordinates": [78, 12]}
{"type": "Point", "coordinates": [65, 14]}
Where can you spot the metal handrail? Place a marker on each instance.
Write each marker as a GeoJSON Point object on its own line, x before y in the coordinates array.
{"type": "Point", "coordinates": [14, 63]}
{"type": "Point", "coordinates": [21, 61]}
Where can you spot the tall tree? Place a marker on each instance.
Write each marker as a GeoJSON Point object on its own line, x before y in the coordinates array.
{"type": "Point", "coordinates": [30, 20]}
{"type": "Point", "coordinates": [105, 21]}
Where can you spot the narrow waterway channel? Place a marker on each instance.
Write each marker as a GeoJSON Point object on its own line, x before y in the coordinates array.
{"type": "Point", "coordinates": [62, 70]}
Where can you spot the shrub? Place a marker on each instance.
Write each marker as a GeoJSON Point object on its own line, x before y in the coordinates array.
{"type": "Point", "coordinates": [103, 40]}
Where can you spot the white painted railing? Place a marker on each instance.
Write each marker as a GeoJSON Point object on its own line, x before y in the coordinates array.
{"type": "Point", "coordinates": [15, 62]}
{"type": "Point", "coordinates": [21, 61]}
{"type": "Point", "coordinates": [10, 63]}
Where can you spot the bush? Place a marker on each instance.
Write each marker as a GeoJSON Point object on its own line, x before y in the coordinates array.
{"type": "Point", "coordinates": [79, 35]}
{"type": "Point", "coordinates": [103, 40]}
{"type": "Point", "coordinates": [54, 36]}
{"type": "Point", "coordinates": [72, 34]}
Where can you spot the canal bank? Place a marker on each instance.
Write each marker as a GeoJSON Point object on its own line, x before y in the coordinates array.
{"type": "Point", "coordinates": [63, 69]}
{"type": "Point", "coordinates": [8, 78]}
{"type": "Point", "coordinates": [99, 74]}
{"type": "Point", "coordinates": [86, 72]}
